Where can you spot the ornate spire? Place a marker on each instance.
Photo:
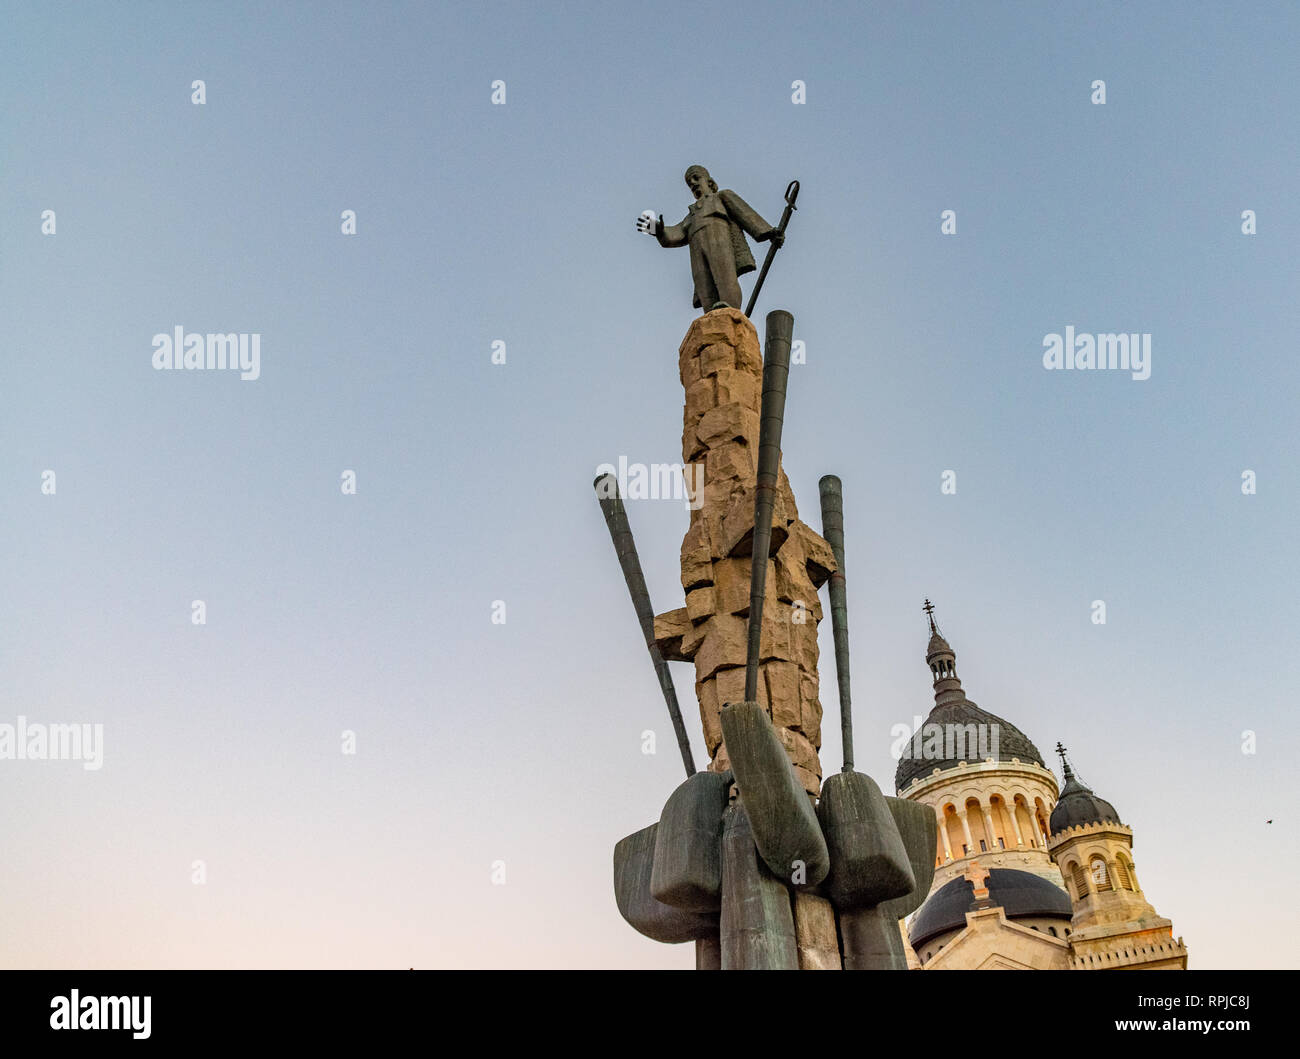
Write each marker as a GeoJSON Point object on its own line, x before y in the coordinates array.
{"type": "Point", "coordinates": [942, 660]}
{"type": "Point", "coordinates": [1066, 771]}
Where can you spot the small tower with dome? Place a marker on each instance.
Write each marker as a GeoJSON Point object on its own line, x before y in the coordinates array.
{"type": "Point", "coordinates": [1113, 923]}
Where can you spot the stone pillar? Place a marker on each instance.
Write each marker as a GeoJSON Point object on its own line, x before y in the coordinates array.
{"type": "Point", "coordinates": [988, 827]}
{"type": "Point", "coordinates": [721, 368]}
{"type": "Point", "coordinates": [943, 824]}
{"type": "Point", "coordinates": [1015, 823]}
{"type": "Point", "coordinates": [970, 842]}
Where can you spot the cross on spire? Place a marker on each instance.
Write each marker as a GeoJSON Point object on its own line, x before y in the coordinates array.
{"type": "Point", "coordinates": [929, 613]}
{"type": "Point", "coordinates": [1065, 762]}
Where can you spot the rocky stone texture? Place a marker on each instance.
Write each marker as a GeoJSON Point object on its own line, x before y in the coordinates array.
{"type": "Point", "coordinates": [721, 367]}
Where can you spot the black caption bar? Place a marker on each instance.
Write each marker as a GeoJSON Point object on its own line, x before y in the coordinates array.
{"type": "Point", "coordinates": [161, 1009]}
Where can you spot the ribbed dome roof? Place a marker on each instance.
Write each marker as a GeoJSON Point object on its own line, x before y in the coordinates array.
{"type": "Point", "coordinates": [1019, 893]}
{"type": "Point", "coordinates": [1011, 742]}
{"type": "Point", "coordinates": [1077, 804]}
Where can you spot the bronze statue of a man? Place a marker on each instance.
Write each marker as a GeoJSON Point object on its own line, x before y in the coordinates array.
{"type": "Point", "coordinates": [714, 229]}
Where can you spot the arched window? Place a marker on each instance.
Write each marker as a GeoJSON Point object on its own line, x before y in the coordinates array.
{"type": "Point", "coordinates": [1121, 875]}
{"type": "Point", "coordinates": [1080, 881]}
{"type": "Point", "coordinates": [1100, 876]}
{"type": "Point", "coordinates": [1052, 931]}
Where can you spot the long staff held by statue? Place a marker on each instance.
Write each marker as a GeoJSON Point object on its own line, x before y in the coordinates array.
{"type": "Point", "coordinates": [625, 547]}
{"type": "Point", "coordinates": [791, 193]}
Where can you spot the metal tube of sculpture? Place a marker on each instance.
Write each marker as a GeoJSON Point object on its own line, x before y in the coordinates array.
{"type": "Point", "coordinates": [869, 863]}
{"type": "Point", "coordinates": [832, 498]}
{"type": "Point", "coordinates": [678, 858]}
{"type": "Point", "coordinates": [620, 533]}
{"type": "Point", "coordinates": [776, 377]}
{"type": "Point", "coordinates": [882, 857]}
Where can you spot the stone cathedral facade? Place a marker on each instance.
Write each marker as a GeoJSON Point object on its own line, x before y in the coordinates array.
{"type": "Point", "coordinates": [1027, 875]}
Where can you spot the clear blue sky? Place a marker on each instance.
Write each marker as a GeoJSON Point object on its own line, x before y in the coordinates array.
{"type": "Point", "coordinates": [521, 742]}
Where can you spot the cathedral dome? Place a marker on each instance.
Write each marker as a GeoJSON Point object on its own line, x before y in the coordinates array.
{"type": "Point", "coordinates": [994, 737]}
{"type": "Point", "coordinates": [1021, 894]}
{"type": "Point", "coordinates": [1077, 804]}
{"type": "Point", "coordinates": [1011, 742]}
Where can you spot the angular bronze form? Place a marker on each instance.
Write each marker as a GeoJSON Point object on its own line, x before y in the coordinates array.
{"type": "Point", "coordinates": [781, 815]}
{"type": "Point", "coordinates": [870, 937]}
{"type": "Point", "coordinates": [633, 868]}
{"type": "Point", "coordinates": [920, 833]}
{"type": "Point", "coordinates": [688, 850]}
{"type": "Point", "coordinates": [868, 862]}
{"type": "Point", "coordinates": [757, 926]}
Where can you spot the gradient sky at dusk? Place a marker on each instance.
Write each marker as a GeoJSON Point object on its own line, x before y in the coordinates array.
{"type": "Point", "coordinates": [522, 742]}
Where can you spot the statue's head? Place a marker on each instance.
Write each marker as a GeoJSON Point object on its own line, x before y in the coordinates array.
{"type": "Point", "coordinates": [699, 181]}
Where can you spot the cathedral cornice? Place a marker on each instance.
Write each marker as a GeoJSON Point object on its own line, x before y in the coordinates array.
{"type": "Point", "coordinates": [1131, 956]}
{"type": "Point", "coordinates": [969, 770]}
{"type": "Point", "coordinates": [1069, 834]}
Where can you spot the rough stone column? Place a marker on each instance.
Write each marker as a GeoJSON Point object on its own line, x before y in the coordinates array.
{"type": "Point", "coordinates": [721, 368]}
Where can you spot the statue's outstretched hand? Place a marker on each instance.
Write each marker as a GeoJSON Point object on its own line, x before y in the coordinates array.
{"type": "Point", "coordinates": [776, 237]}
{"type": "Point", "coordinates": [650, 223]}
